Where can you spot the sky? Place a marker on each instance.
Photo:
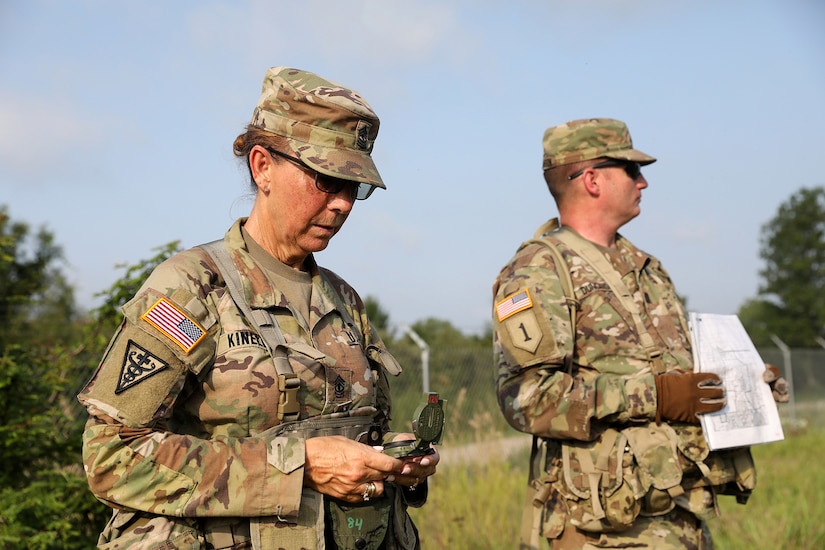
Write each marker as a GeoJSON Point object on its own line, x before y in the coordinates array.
{"type": "Point", "coordinates": [117, 121]}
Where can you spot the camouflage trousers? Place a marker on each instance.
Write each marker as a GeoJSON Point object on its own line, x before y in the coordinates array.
{"type": "Point", "coordinates": [676, 530]}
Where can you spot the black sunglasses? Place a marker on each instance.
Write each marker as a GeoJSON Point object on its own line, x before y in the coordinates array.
{"type": "Point", "coordinates": [632, 169]}
{"type": "Point", "coordinates": [327, 184]}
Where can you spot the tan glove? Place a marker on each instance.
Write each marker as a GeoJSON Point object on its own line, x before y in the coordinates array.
{"type": "Point", "coordinates": [682, 395]}
{"type": "Point", "coordinates": [779, 386]}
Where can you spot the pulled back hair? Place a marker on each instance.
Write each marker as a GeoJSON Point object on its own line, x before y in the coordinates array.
{"type": "Point", "coordinates": [256, 136]}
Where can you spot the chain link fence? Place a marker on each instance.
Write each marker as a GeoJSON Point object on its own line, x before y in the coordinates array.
{"type": "Point", "coordinates": [804, 368]}
{"type": "Point", "coordinates": [465, 378]}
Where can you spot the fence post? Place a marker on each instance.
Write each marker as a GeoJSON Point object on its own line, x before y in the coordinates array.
{"type": "Point", "coordinates": [786, 357]}
{"type": "Point", "coordinates": [425, 358]}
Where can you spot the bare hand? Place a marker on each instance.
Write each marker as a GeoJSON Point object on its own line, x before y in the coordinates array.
{"type": "Point", "coordinates": [417, 469]}
{"type": "Point", "coordinates": [342, 468]}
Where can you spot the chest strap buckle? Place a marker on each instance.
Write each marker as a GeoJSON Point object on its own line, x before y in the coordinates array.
{"type": "Point", "coordinates": [288, 406]}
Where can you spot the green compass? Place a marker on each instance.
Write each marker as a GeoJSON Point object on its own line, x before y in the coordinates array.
{"type": "Point", "coordinates": [427, 425]}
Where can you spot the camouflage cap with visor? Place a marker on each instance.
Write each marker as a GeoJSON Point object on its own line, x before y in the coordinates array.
{"type": "Point", "coordinates": [329, 127]}
{"type": "Point", "coordinates": [588, 139]}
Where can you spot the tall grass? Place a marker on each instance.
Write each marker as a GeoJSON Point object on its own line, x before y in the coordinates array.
{"type": "Point", "coordinates": [787, 508]}
{"type": "Point", "coordinates": [476, 498]}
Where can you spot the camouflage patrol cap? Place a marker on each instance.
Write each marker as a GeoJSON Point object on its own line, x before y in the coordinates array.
{"type": "Point", "coordinates": [588, 139]}
{"type": "Point", "coordinates": [328, 126]}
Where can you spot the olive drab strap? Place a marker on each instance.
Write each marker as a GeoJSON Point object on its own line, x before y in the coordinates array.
{"type": "Point", "coordinates": [536, 495]}
{"type": "Point", "coordinates": [569, 296]}
{"type": "Point", "coordinates": [602, 266]}
{"type": "Point", "coordinates": [288, 381]}
{"type": "Point", "coordinates": [596, 472]}
{"type": "Point", "coordinates": [537, 489]}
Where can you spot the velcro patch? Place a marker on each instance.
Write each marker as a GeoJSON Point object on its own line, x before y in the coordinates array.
{"type": "Point", "coordinates": [174, 324]}
{"type": "Point", "coordinates": [524, 331]}
{"type": "Point", "coordinates": [512, 304]}
{"type": "Point", "coordinates": [339, 386]}
{"type": "Point", "coordinates": [138, 365]}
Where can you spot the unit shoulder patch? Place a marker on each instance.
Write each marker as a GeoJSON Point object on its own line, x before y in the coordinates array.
{"type": "Point", "coordinates": [524, 331]}
{"type": "Point", "coordinates": [138, 365]}
{"type": "Point", "coordinates": [174, 324]}
{"type": "Point", "coordinates": [512, 304]}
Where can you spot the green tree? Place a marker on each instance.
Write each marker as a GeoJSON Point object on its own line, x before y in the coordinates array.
{"type": "Point", "coordinates": [107, 315]}
{"type": "Point", "coordinates": [33, 289]}
{"type": "Point", "coordinates": [48, 349]}
{"type": "Point", "coordinates": [43, 501]}
{"type": "Point", "coordinates": [378, 316]}
{"type": "Point", "coordinates": [791, 301]}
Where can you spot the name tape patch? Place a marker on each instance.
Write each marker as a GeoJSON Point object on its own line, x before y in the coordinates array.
{"type": "Point", "coordinates": [512, 304]}
{"type": "Point", "coordinates": [174, 324]}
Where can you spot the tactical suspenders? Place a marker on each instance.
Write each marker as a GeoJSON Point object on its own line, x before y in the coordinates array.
{"type": "Point", "coordinates": [288, 381]}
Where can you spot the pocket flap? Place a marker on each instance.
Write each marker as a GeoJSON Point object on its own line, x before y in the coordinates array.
{"type": "Point", "coordinates": [655, 449]}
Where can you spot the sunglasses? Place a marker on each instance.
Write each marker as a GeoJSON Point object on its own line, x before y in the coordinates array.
{"type": "Point", "coordinates": [632, 169]}
{"type": "Point", "coordinates": [327, 184]}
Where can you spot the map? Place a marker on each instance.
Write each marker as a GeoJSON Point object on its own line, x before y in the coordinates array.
{"type": "Point", "coordinates": [750, 417]}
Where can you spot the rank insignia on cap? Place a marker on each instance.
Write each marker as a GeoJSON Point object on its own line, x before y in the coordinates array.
{"type": "Point", "coordinates": [512, 304]}
{"type": "Point", "coordinates": [174, 324]}
{"type": "Point", "coordinates": [138, 365]}
{"type": "Point", "coordinates": [362, 135]}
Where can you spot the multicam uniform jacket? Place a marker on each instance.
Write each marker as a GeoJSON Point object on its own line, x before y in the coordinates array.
{"type": "Point", "coordinates": [182, 405]}
{"type": "Point", "coordinates": [583, 391]}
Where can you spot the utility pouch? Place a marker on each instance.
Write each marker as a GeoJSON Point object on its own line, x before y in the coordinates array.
{"type": "Point", "coordinates": [745, 478]}
{"type": "Point", "coordinates": [655, 449]}
{"type": "Point", "coordinates": [361, 526]}
{"type": "Point", "coordinates": [728, 471]}
{"type": "Point", "coordinates": [404, 534]}
{"type": "Point", "coordinates": [599, 484]}
{"type": "Point", "coordinates": [546, 501]}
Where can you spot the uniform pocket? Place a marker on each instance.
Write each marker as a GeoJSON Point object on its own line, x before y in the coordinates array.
{"type": "Point", "coordinates": [359, 526]}
{"type": "Point", "coordinates": [599, 484]}
{"type": "Point", "coordinates": [660, 472]}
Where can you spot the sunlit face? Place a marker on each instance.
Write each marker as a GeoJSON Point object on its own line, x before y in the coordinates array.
{"type": "Point", "coordinates": [300, 218]}
{"type": "Point", "coordinates": [622, 192]}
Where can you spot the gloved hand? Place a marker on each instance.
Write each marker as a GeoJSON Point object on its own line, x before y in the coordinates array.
{"type": "Point", "coordinates": [682, 395]}
{"type": "Point", "coordinates": [779, 386]}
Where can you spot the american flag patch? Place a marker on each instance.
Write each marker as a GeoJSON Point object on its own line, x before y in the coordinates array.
{"type": "Point", "coordinates": [512, 304]}
{"type": "Point", "coordinates": [175, 324]}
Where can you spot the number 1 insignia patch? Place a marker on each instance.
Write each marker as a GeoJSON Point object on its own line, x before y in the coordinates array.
{"type": "Point", "coordinates": [521, 323]}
